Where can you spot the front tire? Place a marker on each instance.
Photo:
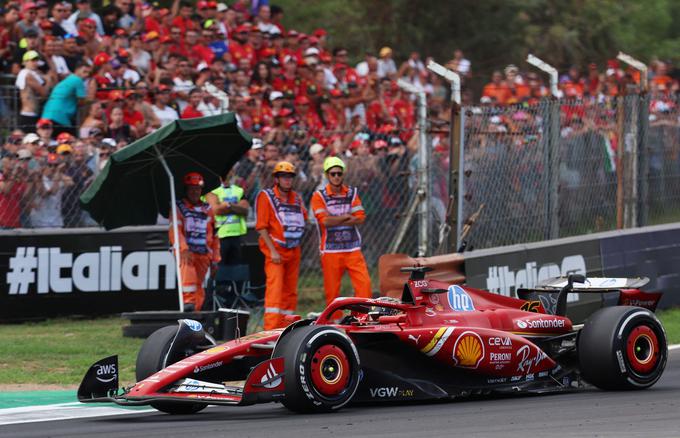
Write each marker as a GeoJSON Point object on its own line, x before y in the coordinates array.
{"type": "Point", "coordinates": [622, 347]}
{"type": "Point", "coordinates": [322, 370]}
{"type": "Point", "coordinates": [151, 359]}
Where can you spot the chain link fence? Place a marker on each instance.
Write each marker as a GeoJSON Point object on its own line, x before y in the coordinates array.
{"type": "Point", "coordinates": [560, 168]}
{"type": "Point", "coordinates": [531, 172]}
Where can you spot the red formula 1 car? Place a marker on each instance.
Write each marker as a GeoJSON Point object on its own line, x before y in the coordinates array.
{"type": "Point", "coordinates": [439, 341]}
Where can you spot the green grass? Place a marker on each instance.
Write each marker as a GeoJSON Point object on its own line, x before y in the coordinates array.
{"type": "Point", "coordinates": [58, 352]}
{"type": "Point", "coordinates": [671, 321]}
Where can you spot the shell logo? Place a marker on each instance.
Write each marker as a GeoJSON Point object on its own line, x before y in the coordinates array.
{"type": "Point", "coordinates": [468, 351]}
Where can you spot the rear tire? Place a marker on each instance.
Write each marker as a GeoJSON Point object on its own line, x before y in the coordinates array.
{"type": "Point", "coordinates": [150, 360]}
{"type": "Point", "coordinates": [622, 347]}
{"type": "Point", "coordinates": [322, 370]}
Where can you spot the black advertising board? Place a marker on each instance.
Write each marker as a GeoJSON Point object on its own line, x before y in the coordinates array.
{"type": "Point", "coordinates": [85, 272]}
{"type": "Point", "coordinates": [503, 270]}
{"type": "Point", "coordinates": [652, 253]}
{"type": "Point", "coordinates": [91, 272]}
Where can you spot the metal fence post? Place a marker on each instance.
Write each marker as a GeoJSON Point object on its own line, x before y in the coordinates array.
{"type": "Point", "coordinates": [423, 168]}
{"type": "Point", "coordinates": [551, 150]}
{"type": "Point", "coordinates": [636, 172]}
{"type": "Point", "coordinates": [643, 156]}
{"type": "Point", "coordinates": [455, 207]}
{"type": "Point", "coordinates": [424, 185]}
{"type": "Point", "coordinates": [553, 170]}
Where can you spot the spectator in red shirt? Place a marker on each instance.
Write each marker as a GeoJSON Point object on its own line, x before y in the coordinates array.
{"type": "Point", "coordinates": [191, 111]}
{"type": "Point", "coordinates": [183, 20]}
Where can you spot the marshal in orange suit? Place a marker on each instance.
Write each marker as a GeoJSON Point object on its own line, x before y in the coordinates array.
{"type": "Point", "coordinates": [281, 219]}
{"type": "Point", "coordinates": [338, 211]}
{"type": "Point", "coordinates": [199, 248]}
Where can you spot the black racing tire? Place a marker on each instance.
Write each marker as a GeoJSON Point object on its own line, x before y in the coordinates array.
{"type": "Point", "coordinates": [150, 360]}
{"type": "Point", "coordinates": [322, 370]}
{"type": "Point", "coordinates": [622, 347]}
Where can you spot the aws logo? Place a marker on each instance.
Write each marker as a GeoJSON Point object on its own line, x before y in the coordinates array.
{"type": "Point", "coordinates": [107, 373]}
{"type": "Point", "coordinates": [468, 350]}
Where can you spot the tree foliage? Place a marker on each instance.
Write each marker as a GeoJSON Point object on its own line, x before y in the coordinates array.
{"type": "Point", "coordinates": [494, 33]}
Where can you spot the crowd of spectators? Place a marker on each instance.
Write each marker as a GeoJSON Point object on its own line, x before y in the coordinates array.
{"type": "Point", "coordinates": [93, 79]}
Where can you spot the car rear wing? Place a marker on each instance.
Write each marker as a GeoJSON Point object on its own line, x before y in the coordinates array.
{"type": "Point", "coordinates": [627, 288]}
{"type": "Point", "coordinates": [593, 284]}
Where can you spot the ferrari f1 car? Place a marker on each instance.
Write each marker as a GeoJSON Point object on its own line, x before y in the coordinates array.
{"type": "Point", "coordinates": [439, 341]}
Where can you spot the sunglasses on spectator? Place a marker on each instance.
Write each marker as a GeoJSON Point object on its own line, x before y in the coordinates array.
{"type": "Point", "coordinates": [334, 174]}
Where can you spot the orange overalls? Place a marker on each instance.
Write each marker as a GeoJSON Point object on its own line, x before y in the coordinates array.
{"type": "Point", "coordinates": [284, 219]}
{"type": "Point", "coordinates": [340, 246]}
{"type": "Point", "coordinates": [196, 231]}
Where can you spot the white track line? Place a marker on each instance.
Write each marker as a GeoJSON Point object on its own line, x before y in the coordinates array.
{"type": "Point", "coordinates": [61, 411]}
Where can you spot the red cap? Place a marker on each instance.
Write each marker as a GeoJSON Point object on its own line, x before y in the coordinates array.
{"type": "Point", "coordinates": [212, 5]}
{"type": "Point", "coordinates": [88, 21]}
{"type": "Point", "coordinates": [122, 53]}
{"type": "Point", "coordinates": [52, 158]}
{"type": "Point", "coordinates": [285, 112]}
{"type": "Point", "coordinates": [313, 40]}
{"type": "Point", "coordinates": [379, 144]}
{"type": "Point", "coordinates": [29, 5]}
{"type": "Point", "coordinates": [64, 137]}
{"type": "Point", "coordinates": [355, 144]}
{"type": "Point", "coordinates": [243, 28]}
{"type": "Point", "coordinates": [336, 93]}
{"type": "Point", "coordinates": [162, 87]}
{"type": "Point", "coordinates": [101, 58]}
{"type": "Point", "coordinates": [44, 122]}
{"type": "Point", "coordinates": [193, 179]}
{"type": "Point", "coordinates": [166, 39]}
{"type": "Point", "coordinates": [115, 95]}
{"type": "Point", "coordinates": [302, 100]}
{"type": "Point", "coordinates": [202, 5]}
{"type": "Point", "coordinates": [320, 33]}
{"type": "Point", "coordinates": [120, 32]}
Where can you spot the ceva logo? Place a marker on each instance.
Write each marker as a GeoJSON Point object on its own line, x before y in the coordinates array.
{"type": "Point", "coordinates": [107, 373]}
{"type": "Point", "coordinates": [459, 300]}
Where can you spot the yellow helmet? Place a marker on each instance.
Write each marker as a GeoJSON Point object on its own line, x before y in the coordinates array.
{"type": "Point", "coordinates": [284, 167]}
{"type": "Point", "coordinates": [331, 162]}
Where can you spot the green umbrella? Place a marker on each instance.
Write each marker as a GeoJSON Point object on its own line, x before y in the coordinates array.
{"type": "Point", "coordinates": [133, 187]}
{"type": "Point", "coordinates": [140, 180]}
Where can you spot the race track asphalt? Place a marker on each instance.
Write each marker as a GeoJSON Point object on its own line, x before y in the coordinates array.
{"type": "Point", "coordinates": [593, 413]}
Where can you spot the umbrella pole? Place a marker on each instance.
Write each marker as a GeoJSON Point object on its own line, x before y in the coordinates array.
{"type": "Point", "coordinates": [175, 231]}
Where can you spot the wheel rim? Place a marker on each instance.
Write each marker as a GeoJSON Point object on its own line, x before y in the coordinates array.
{"type": "Point", "coordinates": [642, 349]}
{"type": "Point", "coordinates": [330, 370]}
